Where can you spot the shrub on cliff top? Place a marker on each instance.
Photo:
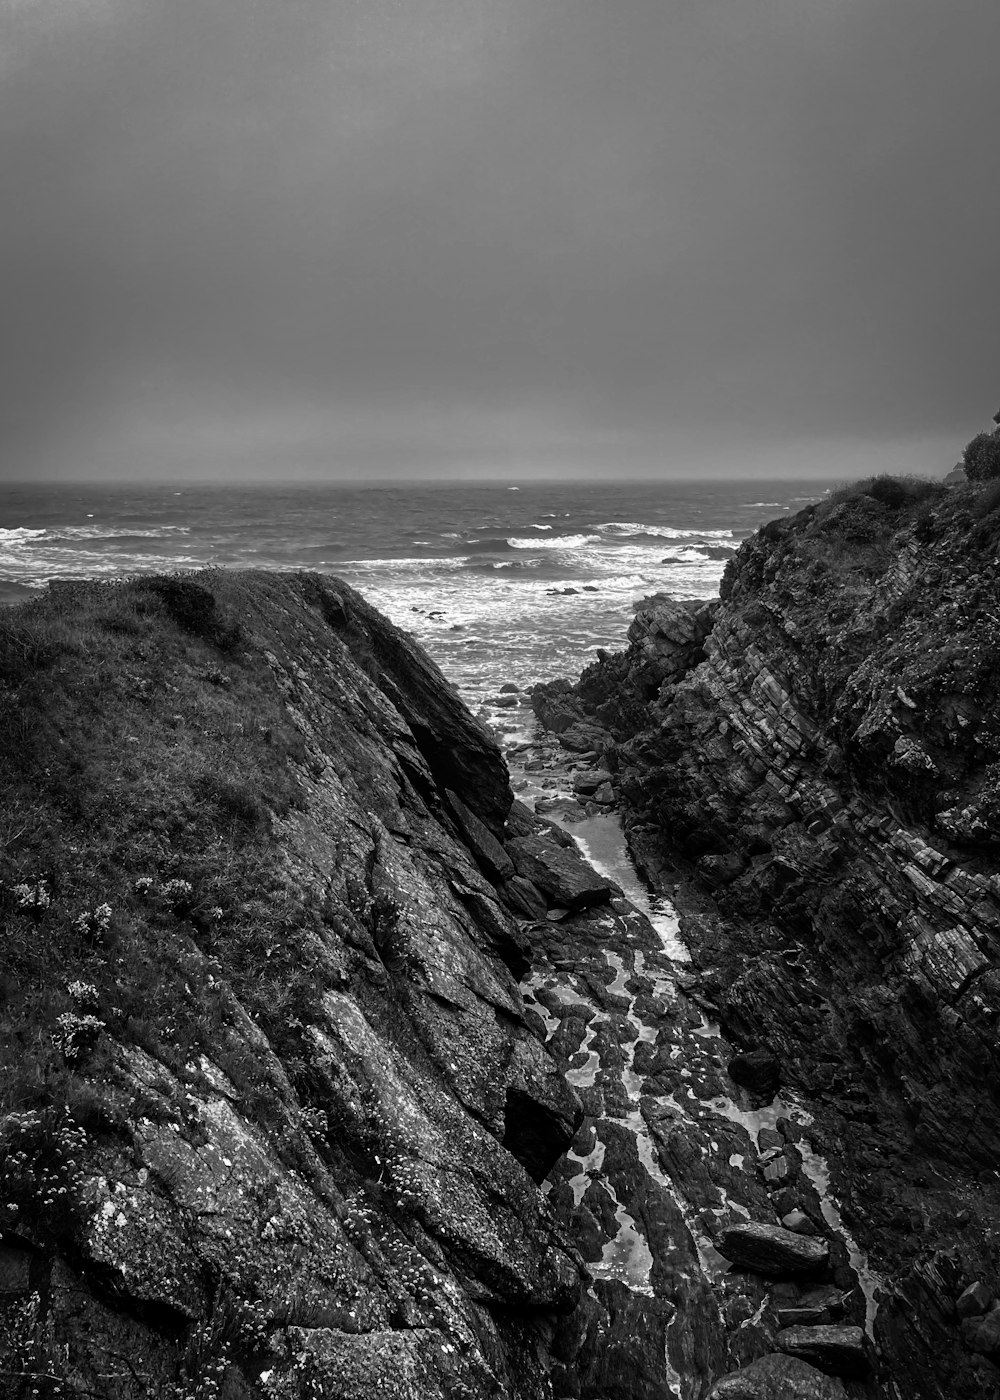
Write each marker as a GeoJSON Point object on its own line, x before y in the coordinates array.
{"type": "Point", "coordinates": [891, 491]}
{"type": "Point", "coordinates": [982, 457]}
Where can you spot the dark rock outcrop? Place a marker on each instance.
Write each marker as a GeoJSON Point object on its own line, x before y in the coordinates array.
{"type": "Point", "coordinates": [757, 1070]}
{"type": "Point", "coordinates": [272, 1109]}
{"type": "Point", "coordinates": [822, 770]}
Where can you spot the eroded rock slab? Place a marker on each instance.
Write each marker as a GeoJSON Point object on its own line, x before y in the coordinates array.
{"type": "Point", "coordinates": [772, 1250]}
{"type": "Point", "coordinates": [559, 871]}
{"type": "Point", "coordinates": [778, 1377]}
{"type": "Point", "coordinates": [840, 1350]}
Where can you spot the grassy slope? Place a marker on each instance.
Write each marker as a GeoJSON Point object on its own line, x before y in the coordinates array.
{"type": "Point", "coordinates": [185, 803]}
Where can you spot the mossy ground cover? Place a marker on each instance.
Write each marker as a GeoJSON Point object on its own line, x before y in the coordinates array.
{"type": "Point", "coordinates": [144, 755]}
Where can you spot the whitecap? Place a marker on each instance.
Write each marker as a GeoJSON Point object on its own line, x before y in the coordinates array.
{"type": "Point", "coordinates": [20, 532]}
{"type": "Point", "coordinates": [101, 532]}
{"type": "Point", "coordinates": [663, 532]}
{"type": "Point", "coordinates": [557, 542]}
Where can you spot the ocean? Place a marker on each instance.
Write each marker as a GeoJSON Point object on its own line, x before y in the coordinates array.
{"type": "Point", "coordinates": [501, 584]}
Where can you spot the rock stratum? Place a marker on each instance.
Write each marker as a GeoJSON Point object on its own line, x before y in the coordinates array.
{"type": "Point", "coordinates": [272, 1117]}
{"type": "Point", "coordinates": [812, 763]}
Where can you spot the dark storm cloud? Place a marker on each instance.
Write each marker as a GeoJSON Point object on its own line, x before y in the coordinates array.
{"type": "Point", "coordinates": [495, 234]}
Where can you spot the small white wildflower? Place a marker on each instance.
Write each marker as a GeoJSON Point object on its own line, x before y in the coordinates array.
{"type": "Point", "coordinates": [32, 895]}
{"type": "Point", "coordinates": [82, 991]}
{"type": "Point", "coordinates": [74, 1034]}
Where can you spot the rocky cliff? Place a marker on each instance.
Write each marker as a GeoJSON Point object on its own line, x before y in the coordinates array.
{"type": "Point", "coordinates": [272, 1117]}
{"type": "Point", "coordinates": [814, 762]}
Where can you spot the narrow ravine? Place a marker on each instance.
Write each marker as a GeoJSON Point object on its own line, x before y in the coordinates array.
{"type": "Point", "coordinates": [671, 1152]}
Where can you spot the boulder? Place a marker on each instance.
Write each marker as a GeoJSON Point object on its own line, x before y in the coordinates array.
{"type": "Point", "coordinates": [771, 1249]}
{"type": "Point", "coordinates": [798, 1221]}
{"type": "Point", "coordinates": [982, 1334]}
{"type": "Point", "coordinates": [757, 1070]}
{"type": "Point", "coordinates": [843, 1351]}
{"type": "Point", "coordinates": [974, 1301]}
{"type": "Point", "coordinates": [590, 780]}
{"type": "Point", "coordinates": [825, 1304]}
{"type": "Point", "coordinates": [777, 1377]}
{"type": "Point", "coordinates": [583, 738]}
{"type": "Point", "coordinates": [561, 873]}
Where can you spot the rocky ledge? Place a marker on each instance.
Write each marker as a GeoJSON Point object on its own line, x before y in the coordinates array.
{"type": "Point", "coordinates": [811, 765]}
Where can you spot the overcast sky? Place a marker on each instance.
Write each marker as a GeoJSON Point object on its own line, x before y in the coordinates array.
{"type": "Point", "coordinates": [508, 237]}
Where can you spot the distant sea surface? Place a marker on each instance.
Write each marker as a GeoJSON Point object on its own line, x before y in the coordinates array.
{"type": "Point", "coordinates": [500, 584]}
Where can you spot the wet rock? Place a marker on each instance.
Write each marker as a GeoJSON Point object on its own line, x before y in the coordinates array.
{"type": "Point", "coordinates": [772, 1250]}
{"type": "Point", "coordinates": [843, 1351]}
{"type": "Point", "coordinates": [974, 1300]}
{"type": "Point", "coordinates": [757, 1070]}
{"type": "Point", "coordinates": [803, 1315]}
{"type": "Point", "coordinates": [590, 781]}
{"type": "Point", "coordinates": [798, 1221]}
{"type": "Point", "coordinates": [780, 1170]}
{"type": "Point", "coordinates": [778, 1377]}
{"type": "Point", "coordinates": [559, 872]}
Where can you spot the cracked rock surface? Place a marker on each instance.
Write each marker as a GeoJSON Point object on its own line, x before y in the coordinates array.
{"type": "Point", "coordinates": [813, 761]}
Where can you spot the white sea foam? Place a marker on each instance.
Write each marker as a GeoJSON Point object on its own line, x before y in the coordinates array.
{"type": "Point", "coordinates": [82, 564]}
{"type": "Point", "coordinates": [103, 532]}
{"type": "Point", "coordinates": [557, 542]}
{"type": "Point", "coordinates": [25, 534]}
{"type": "Point", "coordinates": [664, 532]}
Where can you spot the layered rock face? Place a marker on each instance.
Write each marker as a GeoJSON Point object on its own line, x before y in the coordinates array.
{"type": "Point", "coordinates": [821, 749]}
{"type": "Point", "coordinates": [271, 1116]}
